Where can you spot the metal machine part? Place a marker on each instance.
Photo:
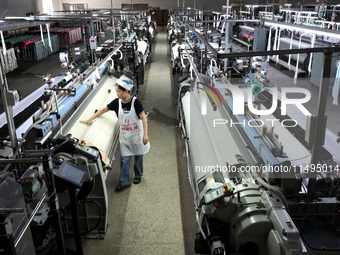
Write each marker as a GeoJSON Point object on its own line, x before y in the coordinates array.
{"type": "Point", "coordinates": [253, 37]}
{"type": "Point", "coordinates": [91, 200]}
{"type": "Point", "coordinates": [13, 217]}
{"type": "Point", "coordinates": [252, 181]}
{"type": "Point", "coordinates": [241, 216]}
{"type": "Point", "coordinates": [303, 58]}
{"type": "Point", "coordinates": [92, 196]}
{"type": "Point", "coordinates": [244, 203]}
{"type": "Point", "coordinates": [34, 187]}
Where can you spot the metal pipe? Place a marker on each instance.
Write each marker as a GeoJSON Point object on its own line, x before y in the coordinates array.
{"type": "Point", "coordinates": [230, 20]}
{"type": "Point", "coordinates": [8, 110]}
{"type": "Point", "coordinates": [112, 20]}
{"type": "Point", "coordinates": [22, 232]}
{"type": "Point", "coordinates": [54, 204]}
{"type": "Point", "coordinates": [75, 216]}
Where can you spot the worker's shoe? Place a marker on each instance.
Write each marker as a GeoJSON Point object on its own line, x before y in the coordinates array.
{"type": "Point", "coordinates": [120, 188]}
{"type": "Point", "coordinates": [137, 180]}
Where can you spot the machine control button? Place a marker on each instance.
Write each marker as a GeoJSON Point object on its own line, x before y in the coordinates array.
{"type": "Point", "coordinates": [226, 188]}
{"type": "Point", "coordinates": [214, 194]}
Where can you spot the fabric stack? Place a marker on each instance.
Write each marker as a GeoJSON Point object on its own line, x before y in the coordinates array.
{"type": "Point", "coordinates": [8, 60]}
{"type": "Point", "coordinates": [32, 47]}
{"type": "Point", "coordinates": [67, 36]}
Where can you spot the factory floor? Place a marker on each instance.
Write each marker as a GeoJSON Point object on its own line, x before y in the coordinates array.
{"type": "Point", "coordinates": [157, 215]}
{"type": "Point", "coordinates": [148, 218]}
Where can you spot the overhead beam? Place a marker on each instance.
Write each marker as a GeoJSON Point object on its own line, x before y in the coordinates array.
{"type": "Point", "coordinates": [276, 52]}
{"type": "Point", "coordinates": [261, 53]}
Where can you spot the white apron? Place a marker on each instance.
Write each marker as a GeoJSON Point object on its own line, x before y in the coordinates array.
{"type": "Point", "coordinates": [131, 132]}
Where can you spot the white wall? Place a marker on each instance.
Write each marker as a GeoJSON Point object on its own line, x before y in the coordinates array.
{"type": "Point", "coordinates": [17, 7]}
{"type": "Point", "coordinates": [21, 7]}
{"type": "Point", "coordinates": [57, 5]}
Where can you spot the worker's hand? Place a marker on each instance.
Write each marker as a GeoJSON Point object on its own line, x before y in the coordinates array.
{"type": "Point", "coordinates": [145, 139]}
{"type": "Point", "coordinates": [86, 122]}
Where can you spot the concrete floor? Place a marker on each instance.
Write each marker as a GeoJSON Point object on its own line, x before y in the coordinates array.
{"type": "Point", "coordinates": [147, 218]}
{"type": "Point", "coordinates": [157, 215]}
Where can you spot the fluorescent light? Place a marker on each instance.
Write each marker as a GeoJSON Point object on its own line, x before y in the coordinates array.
{"type": "Point", "coordinates": [297, 11]}
{"type": "Point", "coordinates": [313, 30]}
{"type": "Point", "coordinates": [25, 18]}
{"type": "Point", "coordinates": [309, 12]}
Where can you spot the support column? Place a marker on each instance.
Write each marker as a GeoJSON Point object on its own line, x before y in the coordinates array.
{"type": "Point", "coordinates": [319, 132]}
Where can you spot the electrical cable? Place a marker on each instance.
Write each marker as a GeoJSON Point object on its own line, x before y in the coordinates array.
{"type": "Point", "coordinates": [305, 217]}
{"type": "Point", "coordinates": [53, 248]}
{"type": "Point", "coordinates": [273, 189]}
{"type": "Point", "coordinates": [100, 215]}
{"type": "Point", "coordinates": [300, 158]}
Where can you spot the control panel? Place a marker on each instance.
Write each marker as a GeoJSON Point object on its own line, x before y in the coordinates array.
{"type": "Point", "coordinates": [93, 42]}
{"type": "Point", "coordinates": [88, 151]}
{"type": "Point", "coordinates": [216, 193]}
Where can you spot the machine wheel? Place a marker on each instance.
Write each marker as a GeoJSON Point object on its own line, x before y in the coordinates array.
{"type": "Point", "coordinates": [201, 245]}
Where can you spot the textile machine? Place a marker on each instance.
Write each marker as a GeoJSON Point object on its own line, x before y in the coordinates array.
{"type": "Point", "coordinates": [55, 167]}
{"type": "Point", "coordinates": [251, 173]}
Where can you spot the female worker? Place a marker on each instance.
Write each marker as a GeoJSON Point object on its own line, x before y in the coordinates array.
{"type": "Point", "coordinates": [133, 136]}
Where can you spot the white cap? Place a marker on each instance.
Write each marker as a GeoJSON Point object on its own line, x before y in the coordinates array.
{"type": "Point", "coordinates": [125, 83]}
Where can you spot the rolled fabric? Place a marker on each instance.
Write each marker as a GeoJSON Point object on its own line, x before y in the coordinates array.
{"type": "Point", "coordinates": [14, 58]}
{"type": "Point", "coordinates": [9, 61]}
